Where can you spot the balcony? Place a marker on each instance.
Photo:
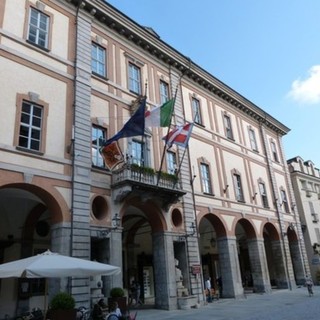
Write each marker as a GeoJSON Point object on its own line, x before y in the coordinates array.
{"type": "Point", "coordinates": [132, 180]}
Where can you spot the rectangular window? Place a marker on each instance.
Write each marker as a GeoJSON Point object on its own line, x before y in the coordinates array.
{"type": "Point", "coordinates": [164, 92]}
{"type": "Point", "coordinates": [134, 79]}
{"type": "Point", "coordinates": [238, 187]}
{"type": "Point", "coordinates": [38, 32]}
{"type": "Point", "coordinates": [274, 152]}
{"type": "Point", "coordinates": [30, 126]}
{"type": "Point", "coordinates": [171, 162]}
{"type": "Point", "coordinates": [97, 138]}
{"type": "Point", "coordinates": [137, 153]}
{"type": "Point", "coordinates": [263, 193]}
{"type": "Point", "coordinates": [98, 60]}
{"type": "Point", "coordinates": [253, 141]}
{"type": "Point", "coordinates": [284, 202]}
{"type": "Point", "coordinates": [205, 178]}
{"type": "Point", "coordinates": [196, 111]}
{"type": "Point", "coordinates": [228, 127]}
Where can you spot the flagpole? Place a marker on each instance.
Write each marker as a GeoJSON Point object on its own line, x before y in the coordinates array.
{"type": "Point", "coordinates": [167, 137]}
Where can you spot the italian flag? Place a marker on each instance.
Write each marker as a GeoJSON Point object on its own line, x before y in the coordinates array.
{"type": "Point", "coordinates": [160, 116]}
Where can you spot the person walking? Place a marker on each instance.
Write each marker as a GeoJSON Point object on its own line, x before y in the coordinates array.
{"type": "Point", "coordinates": [309, 285]}
{"type": "Point", "coordinates": [208, 287]}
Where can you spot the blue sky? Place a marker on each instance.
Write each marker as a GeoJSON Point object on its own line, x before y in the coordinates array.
{"type": "Point", "coordinates": [266, 50]}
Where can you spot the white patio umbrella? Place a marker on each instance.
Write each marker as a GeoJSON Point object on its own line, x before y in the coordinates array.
{"type": "Point", "coordinates": [54, 265]}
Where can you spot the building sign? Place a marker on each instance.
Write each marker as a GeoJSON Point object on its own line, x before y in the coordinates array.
{"type": "Point", "coordinates": [196, 269]}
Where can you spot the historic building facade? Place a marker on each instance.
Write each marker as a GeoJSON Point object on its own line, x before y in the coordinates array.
{"type": "Point", "coordinates": [305, 179]}
{"type": "Point", "coordinates": [71, 72]}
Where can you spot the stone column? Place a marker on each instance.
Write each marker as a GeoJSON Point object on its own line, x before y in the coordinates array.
{"type": "Point", "coordinates": [278, 259]}
{"type": "Point", "coordinates": [297, 262]}
{"type": "Point", "coordinates": [164, 269]}
{"type": "Point", "coordinates": [258, 261]}
{"type": "Point", "coordinates": [116, 256]}
{"type": "Point", "coordinates": [230, 268]}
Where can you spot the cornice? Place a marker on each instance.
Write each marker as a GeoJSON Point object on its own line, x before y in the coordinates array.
{"type": "Point", "coordinates": [150, 42]}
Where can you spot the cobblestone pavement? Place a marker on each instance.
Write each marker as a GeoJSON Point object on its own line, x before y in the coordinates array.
{"type": "Point", "coordinates": [279, 305]}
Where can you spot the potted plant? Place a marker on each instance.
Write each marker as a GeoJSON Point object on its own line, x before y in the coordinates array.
{"type": "Point", "coordinates": [62, 307]}
{"type": "Point", "coordinates": [117, 294]}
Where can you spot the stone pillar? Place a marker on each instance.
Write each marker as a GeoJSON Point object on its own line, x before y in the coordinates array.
{"type": "Point", "coordinates": [164, 269]}
{"type": "Point", "coordinates": [258, 262]}
{"type": "Point", "coordinates": [297, 262]}
{"type": "Point", "coordinates": [116, 257]}
{"type": "Point", "coordinates": [279, 264]}
{"type": "Point", "coordinates": [230, 268]}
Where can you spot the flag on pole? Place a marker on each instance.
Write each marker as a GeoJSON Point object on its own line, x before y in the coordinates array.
{"type": "Point", "coordinates": [134, 126]}
{"type": "Point", "coordinates": [160, 116]}
{"type": "Point", "coordinates": [179, 135]}
{"type": "Point", "coordinates": [112, 155]}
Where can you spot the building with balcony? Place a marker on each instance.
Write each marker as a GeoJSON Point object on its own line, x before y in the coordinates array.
{"type": "Point", "coordinates": [72, 72]}
{"type": "Point", "coordinates": [305, 179]}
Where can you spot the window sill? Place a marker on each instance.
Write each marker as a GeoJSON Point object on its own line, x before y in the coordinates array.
{"type": "Point", "coordinates": [37, 46]}
{"type": "Point", "coordinates": [99, 76]}
{"type": "Point", "coordinates": [39, 153]}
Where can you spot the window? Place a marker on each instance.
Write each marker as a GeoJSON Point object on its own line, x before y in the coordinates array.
{"type": "Point", "coordinates": [284, 201]}
{"type": "Point", "coordinates": [205, 178]}
{"type": "Point", "coordinates": [164, 92]}
{"type": "Point", "coordinates": [134, 79]}
{"type": "Point", "coordinates": [98, 60]}
{"type": "Point", "coordinates": [137, 153]}
{"type": "Point", "coordinates": [171, 162]}
{"type": "Point", "coordinates": [30, 126]}
{"type": "Point", "coordinates": [227, 127]}
{"type": "Point", "coordinates": [238, 187]}
{"type": "Point", "coordinates": [274, 152]}
{"type": "Point", "coordinates": [253, 141]}
{"type": "Point", "coordinates": [196, 111]}
{"type": "Point", "coordinates": [97, 138]}
{"type": "Point", "coordinates": [263, 193]}
{"type": "Point", "coordinates": [38, 28]}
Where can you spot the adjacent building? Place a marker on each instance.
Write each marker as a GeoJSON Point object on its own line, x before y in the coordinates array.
{"type": "Point", "coordinates": [305, 179]}
{"type": "Point", "coordinates": [73, 72]}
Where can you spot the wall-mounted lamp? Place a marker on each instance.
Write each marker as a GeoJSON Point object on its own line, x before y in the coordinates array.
{"type": "Point", "coordinates": [226, 188]}
{"type": "Point", "coordinates": [254, 196]}
{"type": "Point", "coordinates": [193, 177]}
{"type": "Point", "coordinates": [193, 230]}
{"type": "Point", "coordinates": [116, 222]}
{"type": "Point", "coordinates": [293, 205]}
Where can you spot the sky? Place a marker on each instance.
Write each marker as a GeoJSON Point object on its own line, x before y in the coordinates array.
{"type": "Point", "coordinates": [266, 50]}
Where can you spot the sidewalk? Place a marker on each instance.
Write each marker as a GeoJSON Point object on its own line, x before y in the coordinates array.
{"type": "Point", "coordinates": [280, 304]}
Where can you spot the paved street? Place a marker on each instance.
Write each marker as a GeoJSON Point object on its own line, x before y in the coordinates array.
{"type": "Point", "coordinates": [280, 304]}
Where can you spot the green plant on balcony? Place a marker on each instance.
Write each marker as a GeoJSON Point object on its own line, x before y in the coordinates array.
{"type": "Point", "coordinates": [169, 176]}
{"type": "Point", "coordinates": [144, 170]}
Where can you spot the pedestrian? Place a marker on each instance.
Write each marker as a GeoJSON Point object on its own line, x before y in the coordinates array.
{"type": "Point", "coordinates": [219, 284]}
{"type": "Point", "coordinates": [115, 313]}
{"type": "Point", "coordinates": [208, 287]}
{"type": "Point", "coordinates": [309, 285]}
{"type": "Point", "coordinates": [137, 293]}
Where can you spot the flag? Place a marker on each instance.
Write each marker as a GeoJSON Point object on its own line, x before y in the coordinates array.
{"type": "Point", "coordinates": [160, 116]}
{"type": "Point", "coordinates": [133, 127]}
{"type": "Point", "coordinates": [179, 135]}
{"type": "Point", "coordinates": [112, 154]}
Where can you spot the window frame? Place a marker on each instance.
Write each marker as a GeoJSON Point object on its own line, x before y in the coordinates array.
{"type": "Point", "coordinates": [171, 162]}
{"type": "Point", "coordinates": [228, 126]}
{"type": "Point", "coordinates": [206, 183]}
{"type": "Point", "coordinates": [98, 155]}
{"type": "Point", "coordinates": [138, 159]}
{"type": "Point", "coordinates": [253, 139]}
{"type": "Point", "coordinates": [274, 151]}
{"type": "Point", "coordinates": [238, 188]}
{"type": "Point", "coordinates": [134, 81]}
{"type": "Point", "coordinates": [263, 194]}
{"type": "Point", "coordinates": [41, 9]}
{"type": "Point", "coordinates": [102, 64]}
{"type": "Point", "coordinates": [31, 99]}
{"type": "Point", "coordinates": [196, 110]}
{"type": "Point", "coordinates": [284, 200]}
{"type": "Point", "coordinates": [164, 92]}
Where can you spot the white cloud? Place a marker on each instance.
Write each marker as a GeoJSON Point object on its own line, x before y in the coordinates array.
{"type": "Point", "coordinates": [307, 90]}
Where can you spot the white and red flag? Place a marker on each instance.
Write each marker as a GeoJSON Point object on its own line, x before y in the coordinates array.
{"type": "Point", "coordinates": [179, 135]}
